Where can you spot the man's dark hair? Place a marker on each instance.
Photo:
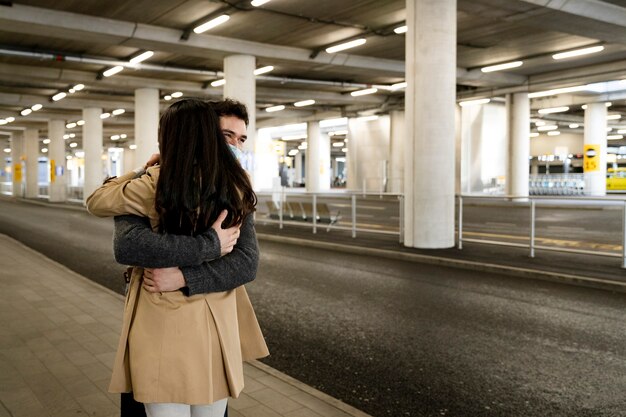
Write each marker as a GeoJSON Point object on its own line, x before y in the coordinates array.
{"type": "Point", "coordinates": [230, 107]}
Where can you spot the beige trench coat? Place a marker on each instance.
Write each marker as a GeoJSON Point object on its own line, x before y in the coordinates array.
{"type": "Point", "coordinates": [173, 348]}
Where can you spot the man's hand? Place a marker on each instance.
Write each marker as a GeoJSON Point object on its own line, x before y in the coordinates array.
{"type": "Point", "coordinates": [154, 159]}
{"type": "Point", "coordinates": [228, 237]}
{"type": "Point", "coordinates": [163, 279]}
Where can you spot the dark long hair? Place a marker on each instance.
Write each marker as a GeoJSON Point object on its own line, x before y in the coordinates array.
{"type": "Point", "coordinates": [199, 175]}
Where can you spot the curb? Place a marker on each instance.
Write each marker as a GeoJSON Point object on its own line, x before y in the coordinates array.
{"type": "Point", "coordinates": [44, 203]}
{"type": "Point", "coordinates": [579, 280]}
{"type": "Point", "coordinates": [348, 409]}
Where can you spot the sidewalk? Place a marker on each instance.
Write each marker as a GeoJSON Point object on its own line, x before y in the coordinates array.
{"type": "Point", "coordinates": [58, 335]}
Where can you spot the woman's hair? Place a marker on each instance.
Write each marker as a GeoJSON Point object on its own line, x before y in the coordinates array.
{"type": "Point", "coordinates": [199, 175]}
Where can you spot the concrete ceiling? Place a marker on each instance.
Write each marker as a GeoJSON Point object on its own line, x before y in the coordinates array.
{"type": "Point", "coordinates": [72, 41]}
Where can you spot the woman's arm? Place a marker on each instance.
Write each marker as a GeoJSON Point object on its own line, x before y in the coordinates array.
{"type": "Point", "coordinates": [124, 195]}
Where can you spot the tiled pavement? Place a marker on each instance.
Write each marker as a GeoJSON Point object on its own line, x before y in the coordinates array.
{"type": "Point", "coordinates": [58, 335]}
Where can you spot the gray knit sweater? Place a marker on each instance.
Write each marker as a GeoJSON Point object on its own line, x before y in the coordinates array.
{"type": "Point", "coordinates": [134, 243]}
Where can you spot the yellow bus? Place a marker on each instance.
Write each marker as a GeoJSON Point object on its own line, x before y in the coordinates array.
{"type": "Point", "coordinates": [616, 179]}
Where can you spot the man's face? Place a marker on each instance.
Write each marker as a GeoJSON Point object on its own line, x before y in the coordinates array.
{"type": "Point", "coordinates": [234, 130]}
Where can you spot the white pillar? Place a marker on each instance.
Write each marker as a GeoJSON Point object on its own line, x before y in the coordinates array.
{"type": "Point", "coordinates": [317, 159]}
{"type": "Point", "coordinates": [31, 151]}
{"type": "Point", "coordinates": [299, 160]}
{"type": "Point", "coordinates": [129, 160]}
{"type": "Point", "coordinates": [57, 190]}
{"type": "Point", "coordinates": [430, 100]}
{"type": "Point", "coordinates": [92, 146]}
{"type": "Point", "coordinates": [241, 86]}
{"type": "Point", "coordinates": [458, 149]}
{"type": "Point", "coordinates": [519, 144]}
{"type": "Point", "coordinates": [146, 123]}
{"type": "Point", "coordinates": [17, 167]}
{"type": "Point", "coordinates": [353, 182]}
{"type": "Point", "coordinates": [396, 151]}
{"type": "Point", "coordinates": [595, 149]}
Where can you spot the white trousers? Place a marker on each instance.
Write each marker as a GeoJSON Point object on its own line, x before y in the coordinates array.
{"type": "Point", "coordinates": [216, 409]}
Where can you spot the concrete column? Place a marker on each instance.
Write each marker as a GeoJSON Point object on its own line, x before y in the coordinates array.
{"type": "Point", "coordinates": [17, 166]}
{"type": "Point", "coordinates": [430, 103]}
{"type": "Point", "coordinates": [353, 182]}
{"type": "Point", "coordinates": [595, 149]}
{"type": "Point", "coordinates": [317, 159]}
{"type": "Point", "coordinates": [129, 160]}
{"type": "Point", "coordinates": [57, 189]}
{"type": "Point", "coordinates": [299, 161]}
{"type": "Point", "coordinates": [146, 123]}
{"type": "Point", "coordinates": [458, 149]}
{"type": "Point", "coordinates": [368, 152]}
{"type": "Point", "coordinates": [92, 146]}
{"type": "Point", "coordinates": [396, 152]}
{"type": "Point", "coordinates": [31, 151]}
{"type": "Point", "coordinates": [518, 111]}
{"type": "Point", "coordinates": [241, 86]}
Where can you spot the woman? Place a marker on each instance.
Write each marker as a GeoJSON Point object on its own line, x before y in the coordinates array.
{"type": "Point", "coordinates": [177, 352]}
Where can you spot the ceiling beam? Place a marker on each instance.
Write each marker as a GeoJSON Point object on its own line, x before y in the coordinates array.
{"type": "Point", "coordinates": [19, 18]}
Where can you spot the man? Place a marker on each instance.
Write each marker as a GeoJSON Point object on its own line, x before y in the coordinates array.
{"type": "Point", "coordinates": [234, 120]}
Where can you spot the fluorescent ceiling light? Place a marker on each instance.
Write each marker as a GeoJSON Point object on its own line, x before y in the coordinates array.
{"type": "Point", "coordinates": [212, 23]}
{"type": "Point", "coordinates": [534, 134]}
{"type": "Point", "coordinates": [363, 92]}
{"type": "Point", "coordinates": [68, 157]}
{"type": "Point", "coordinates": [78, 87]}
{"type": "Point", "coordinates": [557, 91]}
{"type": "Point", "coordinates": [540, 123]}
{"type": "Point", "coordinates": [115, 137]}
{"type": "Point", "coordinates": [275, 108]}
{"type": "Point", "coordinates": [622, 131]}
{"type": "Point", "coordinates": [117, 112]}
{"type": "Point", "coordinates": [123, 136]}
{"type": "Point", "coordinates": [2, 122]}
{"type": "Point", "coordinates": [36, 107]}
{"type": "Point", "coordinates": [46, 141]}
{"type": "Point", "coordinates": [71, 91]}
{"type": "Point", "coordinates": [257, 3]}
{"type": "Point", "coordinates": [7, 150]}
{"type": "Point", "coordinates": [79, 154]}
{"type": "Point", "coordinates": [26, 112]}
{"type": "Point", "coordinates": [607, 104]}
{"type": "Point", "coordinates": [132, 147]}
{"type": "Point", "coordinates": [338, 133]}
{"type": "Point", "coordinates": [613, 117]}
{"type": "Point", "coordinates": [113, 71]}
{"type": "Point", "coordinates": [73, 145]}
{"type": "Point", "coordinates": [72, 135]}
{"type": "Point", "coordinates": [177, 94]}
{"type": "Point", "coordinates": [340, 121]}
{"type": "Point", "coordinates": [554, 133]}
{"type": "Point", "coordinates": [70, 125]}
{"type": "Point", "coordinates": [344, 150]}
{"type": "Point", "coordinates": [501, 67]}
{"type": "Point", "coordinates": [263, 70]}
{"type": "Point", "coordinates": [10, 119]}
{"type": "Point", "coordinates": [105, 115]}
{"type": "Point", "coordinates": [367, 118]}
{"type": "Point", "coordinates": [59, 96]}
{"type": "Point", "coordinates": [44, 150]}
{"type": "Point", "coordinates": [398, 86]}
{"type": "Point", "coordinates": [217, 83]}
{"type": "Point", "coordinates": [574, 126]}
{"type": "Point", "coordinates": [304, 103]}
{"type": "Point", "coordinates": [346, 45]}
{"type": "Point", "coordinates": [338, 145]}
{"type": "Point", "coordinates": [615, 137]}
{"type": "Point", "coordinates": [401, 29]}
{"type": "Point", "coordinates": [294, 152]}
{"type": "Point", "coordinates": [66, 136]}
{"type": "Point", "coordinates": [167, 98]}
{"type": "Point", "coordinates": [141, 57]}
{"type": "Point", "coordinates": [80, 122]}
{"type": "Point", "coordinates": [553, 110]}
{"type": "Point", "coordinates": [303, 146]}
{"type": "Point", "coordinates": [294, 137]}
{"type": "Point", "coordinates": [578, 52]}
{"type": "Point", "coordinates": [608, 129]}
{"type": "Point", "coordinates": [546, 128]}
{"type": "Point", "coordinates": [474, 102]}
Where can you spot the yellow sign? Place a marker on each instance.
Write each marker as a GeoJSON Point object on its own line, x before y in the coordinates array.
{"type": "Point", "coordinates": [591, 158]}
{"type": "Point", "coordinates": [52, 171]}
{"type": "Point", "coordinates": [17, 172]}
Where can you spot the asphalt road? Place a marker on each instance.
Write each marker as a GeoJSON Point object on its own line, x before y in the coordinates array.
{"type": "Point", "coordinates": [401, 339]}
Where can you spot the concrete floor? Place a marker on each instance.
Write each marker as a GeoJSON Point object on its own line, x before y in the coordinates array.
{"type": "Point", "coordinates": [402, 339]}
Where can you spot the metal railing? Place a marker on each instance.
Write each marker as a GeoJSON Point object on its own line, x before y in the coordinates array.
{"type": "Point", "coordinates": [531, 203]}
{"type": "Point", "coordinates": [330, 210]}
